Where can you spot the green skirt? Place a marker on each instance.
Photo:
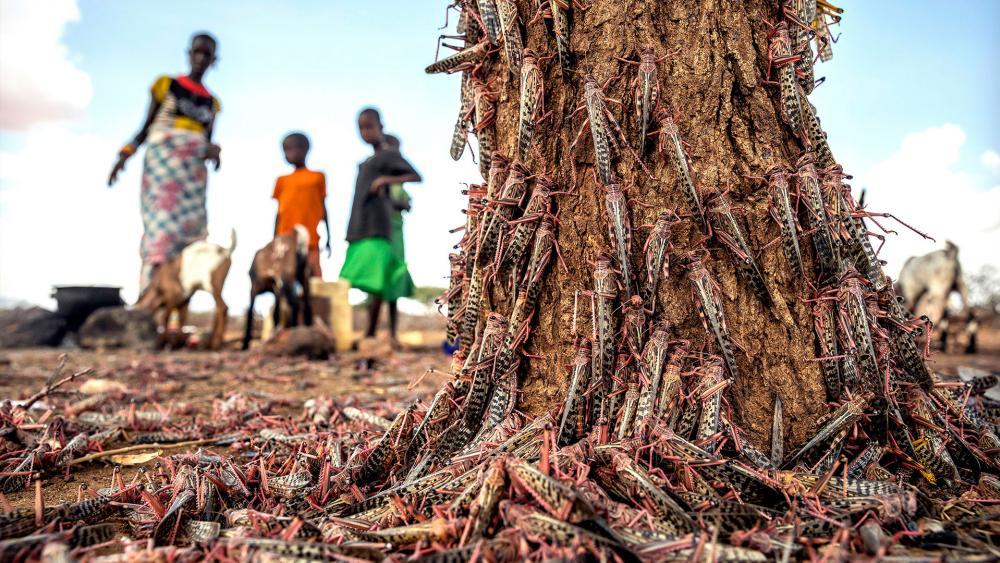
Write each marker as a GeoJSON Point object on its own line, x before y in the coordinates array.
{"type": "Point", "coordinates": [402, 285]}
{"type": "Point", "coordinates": [373, 267]}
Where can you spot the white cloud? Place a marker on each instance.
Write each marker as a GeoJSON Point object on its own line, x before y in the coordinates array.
{"type": "Point", "coordinates": [922, 185]}
{"type": "Point", "coordinates": [38, 80]}
{"type": "Point", "coordinates": [991, 160]}
{"type": "Point", "coordinates": [58, 224]}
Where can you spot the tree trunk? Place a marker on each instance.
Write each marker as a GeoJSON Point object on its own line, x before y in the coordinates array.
{"type": "Point", "coordinates": [653, 388]}
{"type": "Point", "coordinates": [711, 79]}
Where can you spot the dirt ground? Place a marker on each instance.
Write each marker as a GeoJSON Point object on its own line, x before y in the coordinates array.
{"type": "Point", "coordinates": [188, 384]}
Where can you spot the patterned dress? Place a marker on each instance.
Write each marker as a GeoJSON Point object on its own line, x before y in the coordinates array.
{"type": "Point", "coordinates": [174, 176]}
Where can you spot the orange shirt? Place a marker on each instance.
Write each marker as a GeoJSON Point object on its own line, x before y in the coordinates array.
{"type": "Point", "coordinates": [300, 198]}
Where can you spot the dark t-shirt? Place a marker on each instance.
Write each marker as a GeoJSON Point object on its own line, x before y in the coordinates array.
{"type": "Point", "coordinates": [371, 215]}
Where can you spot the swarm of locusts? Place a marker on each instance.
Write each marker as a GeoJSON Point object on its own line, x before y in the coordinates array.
{"type": "Point", "coordinates": [643, 461]}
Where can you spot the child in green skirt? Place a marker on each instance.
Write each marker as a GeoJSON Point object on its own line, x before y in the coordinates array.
{"type": "Point", "coordinates": [400, 201]}
{"type": "Point", "coordinates": [371, 264]}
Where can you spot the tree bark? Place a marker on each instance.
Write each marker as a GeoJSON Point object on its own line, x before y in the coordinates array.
{"type": "Point", "coordinates": [711, 79]}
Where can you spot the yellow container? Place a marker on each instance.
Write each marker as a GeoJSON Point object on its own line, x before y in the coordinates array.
{"type": "Point", "coordinates": [339, 315]}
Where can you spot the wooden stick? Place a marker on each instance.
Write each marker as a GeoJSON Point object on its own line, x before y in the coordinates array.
{"type": "Point", "coordinates": [50, 387]}
{"type": "Point", "coordinates": [139, 448]}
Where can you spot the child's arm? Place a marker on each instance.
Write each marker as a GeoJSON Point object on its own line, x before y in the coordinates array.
{"type": "Point", "coordinates": [326, 221]}
{"type": "Point", "coordinates": [386, 181]}
{"type": "Point", "coordinates": [277, 220]}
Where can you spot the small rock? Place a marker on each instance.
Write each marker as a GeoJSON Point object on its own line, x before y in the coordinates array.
{"type": "Point", "coordinates": [313, 342]}
{"type": "Point", "coordinates": [117, 327]}
{"type": "Point", "coordinates": [31, 327]}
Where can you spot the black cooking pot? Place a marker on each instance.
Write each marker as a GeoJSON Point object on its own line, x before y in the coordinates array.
{"type": "Point", "coordinates": [76, 303]}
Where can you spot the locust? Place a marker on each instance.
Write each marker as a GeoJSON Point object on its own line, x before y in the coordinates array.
{"type": "Point", "coordinates": [574, 408]}
{"type": "Point", "coordinates": [728, 231]}
{"type": "Point", "coordinates": [382, 456]}
{"type": "Point", "coordinates": [808, 182]}
{"type": "Point", "coordinates": [491, 20]}
{"type": "Point", "coordinates": [655, 253]}
{"type": "Point", "coordinates": [816, 136]}
{"type": "Point", "coordinates": [872, 453]}
{"type": "Point", "coordinates": [604, 130]}
{"type": "Point", "coordinates": [559, 12]}
{"type": "Point", "coordinates": [800, 41]}
{"type": "Point", "coordinates": [453, 297]}
{"type": "Point", "coordinates": [483, 370]}
{"type": "Point", "coordinates": [670, 144]}
{"type": "Point", "coordinates": [670, 383]}
{"type": "Point", "coordinates": [626, 418]}
{"type": "Point", "coordinates": [484, 506]}
{"type": "Point", "coordinates": [539, 204]}
{"type": "Point", "coordinates": [780, 57]}
{"type": "Point", "coordinates": [929, 446]}
{"type": "Point", "coordinates": [645, 90]}
{"type": "Point", "coordinates": [470, 317]}
{"type": "Point", "coordinates": [485, 111]}
{"type": "Point", "coordinates": [825, 323]}
{"type": "Point", "coordinates": [712, 315]}
{"type": "Point", "coordinates": [605, 293]}
{"type": "Point", "coordinates": [784, 214]}
{"type": "Point", "coordinates": [636, 482]}
{"type": "Point", "coordinates": [844, 417]}
{"type": "Point", "coordinates": [531, 102]}
{"type": "Point", "coordinates": [462, 60]}
{"type": "Point", "coordinates": [466, 109]}
{"type": "Point", "coordinates": [821, 25]}
{"type": "Point", "coordinates": [634, 325]}
{"type": "Point", "coordinates": [538, 260]}
{"type": "Point", "coordinates": [711, 405]}
{"type": "Point", "coordinates": [555, 497]}
{"type": "Point", "coordinates": [513, 43]}
{"type": "Point", "coordinates": [434, 420]}
{"type": "Point", "coordinates": [502, 209]}
{"type": "Point", "coordinates": [853, 313]}
{"type": "Point", "coordinates": [620, 231]}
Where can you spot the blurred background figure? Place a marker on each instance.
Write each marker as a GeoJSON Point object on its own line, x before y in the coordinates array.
{"type": "Point", "coordinates": [399, 199]}
{"type": "Point", "coordinates": [371, 264]}
{"type": "Point", "coordinates": [301, 198]}
{"type": "Point", "coordinates": [178, 128]}
{"type": "Point", "coordinates": [926, 283]}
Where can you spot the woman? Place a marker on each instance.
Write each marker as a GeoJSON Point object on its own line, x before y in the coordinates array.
{"type": "Point", "coordinates": [371, 265]}
{"type": "Point", "coordinates": [178, 127]}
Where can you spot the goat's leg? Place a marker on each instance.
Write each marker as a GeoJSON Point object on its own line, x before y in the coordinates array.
{"type": "Point", "coordinates": [182, 316]}
{"type": "Point", "coordinates": [293, 304]}
{"type": "Point", "coordinates": [249, 328]}
{"type": "Point", "coordinates": [277, 307]}
{"type": "Point", "coordinates": [219, 324]}
{"type": "Point", "coordinates": [307, 310]}
{"type": "Point", "coordinates": [164, 322]}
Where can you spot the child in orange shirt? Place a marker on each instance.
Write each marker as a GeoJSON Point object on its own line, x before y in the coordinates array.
{"type": "Point", "coordinates": [301, 199]}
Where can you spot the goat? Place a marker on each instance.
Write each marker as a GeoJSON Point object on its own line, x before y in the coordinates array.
{"type": "Point", "coordinates": [276, 268]}
{"type": "Point", "coordinates": [926, 282]}
{"type": "Point", "coordinates": [202, 265]}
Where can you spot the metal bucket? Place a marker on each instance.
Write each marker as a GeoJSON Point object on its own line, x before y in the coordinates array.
{"type": "Point", "coordinates": [76, 303]}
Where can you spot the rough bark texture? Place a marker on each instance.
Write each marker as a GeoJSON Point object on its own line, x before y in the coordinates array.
{"type": "Point", "coordinates": [713, 82]}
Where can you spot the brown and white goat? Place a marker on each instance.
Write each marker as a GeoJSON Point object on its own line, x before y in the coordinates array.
{"type": "Point", "coordinates": [277, 268]}
{"type": "Point", "coordinates": [202, 265]}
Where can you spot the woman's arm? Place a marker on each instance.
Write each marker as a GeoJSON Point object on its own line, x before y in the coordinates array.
{"type": "Point", "coordinates": [214, 152]}
{"type": "Point", "coordinates": [140, 137]}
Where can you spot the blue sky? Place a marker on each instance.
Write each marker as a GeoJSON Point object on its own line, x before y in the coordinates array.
{"type": "Point", "coordinates": [910, 106]}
